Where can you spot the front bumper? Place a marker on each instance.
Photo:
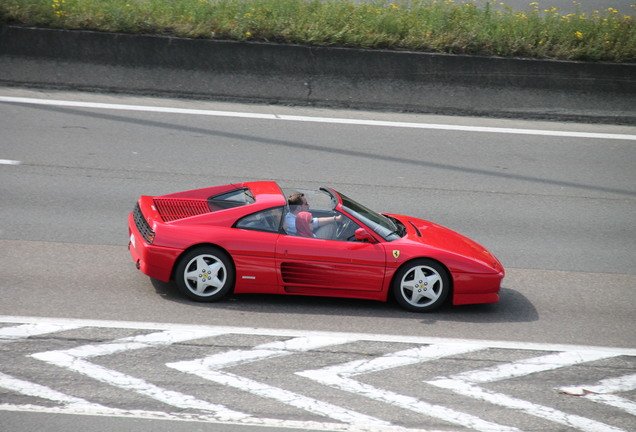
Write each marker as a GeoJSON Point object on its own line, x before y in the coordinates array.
{"type": "Point", "coordinates": [471, 288]}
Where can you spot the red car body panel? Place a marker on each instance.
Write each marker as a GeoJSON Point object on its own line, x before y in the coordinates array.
{"type": "Point", "coordinates": [273, 262]}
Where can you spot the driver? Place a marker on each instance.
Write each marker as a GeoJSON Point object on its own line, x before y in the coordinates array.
{"type": "Point", "coordinates": [324, 227]}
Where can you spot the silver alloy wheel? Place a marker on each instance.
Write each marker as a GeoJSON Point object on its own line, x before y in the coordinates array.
{"type": "Point", "coordinates": [421, 286]}
{"type": "Point", "coordinates": [205, 275]}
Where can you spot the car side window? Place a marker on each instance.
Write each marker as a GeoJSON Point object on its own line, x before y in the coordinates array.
{"type": "Point", "coordinates": [266, 220]}
{"type": "Point", "coordinates": [325, 226]}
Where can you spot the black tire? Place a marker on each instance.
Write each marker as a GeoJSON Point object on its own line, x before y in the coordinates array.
{"type": "Point", "coordinates": [205, 274]}
{"type": "Point", "coordinates": [421, 285]}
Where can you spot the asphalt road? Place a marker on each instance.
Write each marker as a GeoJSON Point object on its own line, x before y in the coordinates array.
{"type": "Point", "coordinates": [554, 201]}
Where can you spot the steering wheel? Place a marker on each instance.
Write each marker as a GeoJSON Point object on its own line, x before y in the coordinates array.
{"type": "Point", "coordinates": [342, 227]}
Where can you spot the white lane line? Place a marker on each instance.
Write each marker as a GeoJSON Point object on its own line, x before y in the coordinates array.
{"type": "Point", "coordinates": [73, 359]}
{"type": "Point", "coordinates": [329, 120]}
{"type": "Point", "coordinates": [339, 377]}
{"type": "Point", "coordinates": [603, 392]}
{"type": "Point", "coordinates": [202, 418]}
{"type": "Point", "coordinates": [464, 384]}
{"type": "Point", "coordinates": [209, 369]}
{"type": "Point", "coordinates": [418, 340]}
{"type": "Point", "coordinates": [9, 162]}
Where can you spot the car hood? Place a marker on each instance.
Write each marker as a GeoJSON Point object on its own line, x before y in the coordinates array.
{"type": "Point", "coordinates": [438, 237]}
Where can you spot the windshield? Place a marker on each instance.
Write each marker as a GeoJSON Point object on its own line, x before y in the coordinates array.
{"type": "Point", "coordinates": [380, 224]}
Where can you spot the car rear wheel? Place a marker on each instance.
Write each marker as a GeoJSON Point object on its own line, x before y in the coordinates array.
{"type": "Point", "coordinates": [205, 274]}
{"type": "Point", "coordinates": [421, 285]}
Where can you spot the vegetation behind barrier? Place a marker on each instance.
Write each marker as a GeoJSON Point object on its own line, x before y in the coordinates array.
{"type": "Point", "coordinates": [480, 27]}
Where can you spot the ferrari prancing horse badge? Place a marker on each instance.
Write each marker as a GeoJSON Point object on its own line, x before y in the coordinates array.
{"type": "Point", "coordinates": [396, 254]}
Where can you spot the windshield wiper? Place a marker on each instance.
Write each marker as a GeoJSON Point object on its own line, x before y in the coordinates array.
{"type": "Point", "coordinates": [400, 229]}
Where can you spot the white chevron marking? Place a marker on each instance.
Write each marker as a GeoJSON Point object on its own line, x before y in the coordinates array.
{"type": "Point", "coordinates": [608, 385]}
{"type": "Point", "coordinates": [24, 331]}
{"type": "Point", "coordinates": [72, 359]}
{"type": "Point", "coordinates": [209, 368]}
{"type": "Point", "coordinates": [464, 384]}
{"type": "Point", "coordinates": [530, 365]}
{"type": "Point", "coordinates": [339, 376]}
{"type": "Point", "coordinates": [601, 392]}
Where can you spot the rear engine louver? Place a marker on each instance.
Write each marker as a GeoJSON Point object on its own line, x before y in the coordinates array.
{"type": "Point", "coordinates": [174, 209]}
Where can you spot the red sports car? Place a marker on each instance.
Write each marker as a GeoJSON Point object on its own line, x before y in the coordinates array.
{"type": "Point", "coordinates": [254, 237]}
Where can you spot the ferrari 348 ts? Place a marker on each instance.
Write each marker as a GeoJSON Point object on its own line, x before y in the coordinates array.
{"type": "Point", "coordinates": [252, 238]}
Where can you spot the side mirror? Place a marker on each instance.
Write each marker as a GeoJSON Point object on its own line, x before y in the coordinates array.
{"type": "Point", "coordinates": [364, 236]}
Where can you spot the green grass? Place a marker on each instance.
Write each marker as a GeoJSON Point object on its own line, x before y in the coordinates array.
{"type": "Point", "coordinates": [475, 28]}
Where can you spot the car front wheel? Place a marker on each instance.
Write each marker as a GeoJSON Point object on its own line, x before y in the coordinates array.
{"type": "Point", "coordinates": [421, 285]}
{"type": "Point", "coordinates": [205, 274]}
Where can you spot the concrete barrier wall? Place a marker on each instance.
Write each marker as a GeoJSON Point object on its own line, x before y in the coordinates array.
{"type": "Point", "coordinates": [339, 77]}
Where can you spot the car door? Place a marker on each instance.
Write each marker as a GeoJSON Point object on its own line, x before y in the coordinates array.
{"type": "Point", "coordinates": [253, 249]}
{"type": "Point", "coordinates": [329, 267]}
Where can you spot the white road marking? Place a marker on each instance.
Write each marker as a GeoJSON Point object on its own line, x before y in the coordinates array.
{"type": "Point", "coordinates": [24, 331]}
{"type": "Point", "coordinates": [264, 351]}
{"type": "Point", "coordinates": [73, 359]}
{"type": "Point", "coordinates": [329, 120]}
{"type": "Point", "coordinates": [36, 390]}
{"type": "Point", "coordinates": [464, 384]}
{"type": "Point", "coordinates": [202, 418]}
{"type": "Point", "coordinates": [421, 340]}
{"type": "Point", "coordinates": [547, 413]}
{"type": "Point", "coordinates": [36, 329]}
{"type": "Point", "coordinates": [167, 337]}
{"type": "Point", "coordinates": [339, 376]}
{"type": "Point", "coordinates": [603, 392]}
{"type": "Point", "coordinates": [609, 385]}
{"type": "Point", "coordinates": [9, 162]}
{"type": "Point", "coordinates": [529, 366]}
{"type": "Point", "coordinates": [612, 400]}
{"type": "Point", "coordinates": [209, 368]}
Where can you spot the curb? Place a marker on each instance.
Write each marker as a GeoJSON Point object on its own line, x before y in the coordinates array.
{"type": "Point", "coordinates": [321, 76]}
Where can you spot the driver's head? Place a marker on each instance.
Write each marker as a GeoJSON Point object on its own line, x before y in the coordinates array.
{"type": "Point", "coordinates": [297, 202]}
